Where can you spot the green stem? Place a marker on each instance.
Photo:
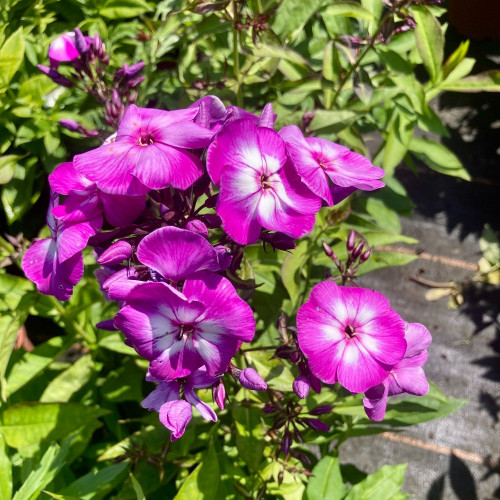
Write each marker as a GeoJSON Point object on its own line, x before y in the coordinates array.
{"type": "Point", "coordinates": [355, 66]}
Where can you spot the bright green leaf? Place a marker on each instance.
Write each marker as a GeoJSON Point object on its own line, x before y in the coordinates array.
{"type": "Point", "coordinates": [291, 270]}
{"type": "Point", "coordinates": [326, 482]}
{"type": "Point", "coordinates": [488, 81]}
{"type": "Point", "coordinates": [438, 157]}
{"type": "Point", "coordinates": [249, 435]}
{"type": "Point", "coordinates": [430, 40]}
{"type": "Point", "coordinates": [7, 167]}
{"type": "Point", "coordinates": [11, 56]}
{"type": "Point", "coordinates": [326, 121]}
{"type": "Point", "coordinates": [25, 424]}
{"type": "Point", "coordinates": [398, 141]}
{"type": "Point", "coordinates": [381, 485]}
{"type": "Point", "coordinates": [123, 9]}
{"type": "Point", "coordinates": [348, 9]}
{"type": "Point", "coordinates": [291, 16]}
{"type": "Point", "coordinates": [5, 472]}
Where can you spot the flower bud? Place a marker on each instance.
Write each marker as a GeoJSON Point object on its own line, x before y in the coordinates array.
{"type": "Point", "coordinates": [116, 253]}
{"type": "Point", "coordinates": [70, 125]}
{"type": "Point", "coordinates": [63, 49]}
{"type": "Point", "coordinates": [219, 394]}
{"type": "Point", "coordinates": [316, 424]}
{"type": "Point", "coordinates": [175, 416]}
{"type": "Point", "coordinates": [286, 442]}
{"type": "Point", "coordinates": [55, 76]}
{"type": "Point", "coordinates": [81, 43]}
{"type": "Point", "coordinates": [294, 357]}
{"type": "Point", "coordinates": [351, 241]}
{"type": "Point", "coordinates": [250, 379]}
{"type": "Point", "coordinates": [301, 386]}
{"type": "Point", "coordinates": [268, 409]}
{"type": "Point", "coordinates": [315, 382]}
{"type": "Point", "coordinates": [359, 248]}
{"type": "Point", "coordinates": [196, 226]}
{"type": "Point", "coordinates": [321, 410]}
{"type": "Point", "coordinates": [224, 257]}
{"type": "Point", "coordinates": [298, 436]}
{"type": "Point", "coordinates": [365, 255]}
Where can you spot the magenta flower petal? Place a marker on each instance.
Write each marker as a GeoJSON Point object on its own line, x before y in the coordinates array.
{"type": "Point", "coordinates": [74, 238]}
{"type": "Point", "coordinates": [267, 117]}
{"type": "Point", "coordinates": [65, 178]}
{"type": "Point", "coordinates": [175, 416]}
{"type": "Point", "coordinates": [203, 409]}
{"type": "Point", "coordinates": [375, 402]}
{"type": "Point", "coordinates": [186, 134]}
{"type": "Point", "coordinates": [78, 207]}
{"type": "Point", "coordinates": [164, 393]}
{"type": "Point", "coordinates": [120, 284]}
{"type": "Point", "coordinates": [177, 253]}
{"type": "Point", "coordinates": [412, 380]}
{"type": "Point", "coordinates": [63, 48]}
{"type": "Point", "coordinates": [225, 311]}
{"type": "Point", "coordinates": [116, 253]}
{"type": "Point", "coordinates": [418, 339]}
{"type": "Point", "coordinates": [110, 166]}
{"type": "Point", "coordinates": [350, 335]}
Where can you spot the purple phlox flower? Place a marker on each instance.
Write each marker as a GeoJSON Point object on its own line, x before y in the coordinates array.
{"type": "Point", "coordinates": [406, 375]}
{"type": "Point", "coordinates": [179, 332]}
{"type": "Point", "coordinates": [84, 200]}
{"type": "Point", "coordinates": [120, 283]}
{"type": "Point", "coordinates": [55, 264]}
{"type": "Point", "coordinates": [350, 335]}
{"type": "Point", "coordinates": [150, 152]}
{"type": "Point", "coordinates": [68, 47]}
{"type": "Point", "coordinates": [176, 413]}
{"type": "Point", "coordinates": [258, 188]}
{"type": "Point", "coordinates": [118, 252]}
{"type": "Point", "coordinates": [250, 379]}
{"type": "Point", "coordinates": [318, 160]}
{"type": "Point", "coordinates": [211, 112]}
{"type": "Point", "coordinates": [177, 253]}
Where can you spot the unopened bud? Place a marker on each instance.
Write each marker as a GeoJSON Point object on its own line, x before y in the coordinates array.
{"type": "Point", "coordinates": [196, 226]}
{"type": "Point", "coordinates": [327, 249]}
{"type": "Point", "coordinates": [301, 386]}
{"type": "Point", "coordinates": [268, 409]}
{"type": "Point", "coordinates": [250, 379]}
{"type": "Point", "coordinates": [365, 255]}
{"type": "Point", "coordinates": [294, 357]}
{"type": "Point", "coordinates": [321, 410]}
{"type": "Point", "coordinates": [116, 253]}
{"type": "Point", "coordinates": [219, 394]}
{"type": "Point", "coordinates": [316, 424]}
{"type": "Point", "coordinates": [286, 442]}
{"type": "Point", "coordinates": [69, 124]}
{"type": "Point", "coordinates": [359, 248]}
{"type": "Point", "coordinates": [351, 241]}
{"type": "Point", "coordinates": [80, 42]}
{"type": "Point", "coordinates": [298, 436]}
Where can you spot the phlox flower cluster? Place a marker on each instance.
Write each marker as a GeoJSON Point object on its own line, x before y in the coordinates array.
{"type": "Point", "coordinates": [168, 204]}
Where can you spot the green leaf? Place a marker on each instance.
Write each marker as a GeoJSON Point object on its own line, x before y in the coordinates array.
{"type": "Point", "coordinates": [455, 58]}
{"type": "Point", "coordinates": [398, 141]}
{"type": "Point", "coordinates": [9, 325]}
{"type": "Point", "coordinates": [137, 487]}
{"type": "Point", "coordinates": [291, 16]}
{"type": "Point", "coordinates": [381, 485]}
{"type": "Point", "coordinates": [348, 9]}
{"type": "Point", "coordinates": [114, 341]}
{"type": "Point", "coordinates": [249, 436]}
{"type": "Point", "coordinates": [122, 9]}
{"type": "Point", "coordinates": [438, 157]}
{"type": "Point", "coordinates": [34, 362]}
{"type": "Point", "coordinates": [291, 268]}
{"type": "Point", "coordinates": [326, 482]}
{"type": "Point", "coordinates": [11, 56]}
{"type": "Point", "coordinates": [25, 424]}
{"type": "Point", "coordinates": [203, 482]}
{"type": "Point", "coordinates": [97, 483]}
{"type": "Point", "coordinates": [5, 471]}
{"type": "Point", "coordinates": [279, 52]}
{"type": "Point", "coordinates": [430, 40]}
{"type": "Point", "coordinates": [48, 468]}
{"type": "Point", "coordinates": [12, 290]}
{"type": "Point", "coordinates": [61, 388]}
{"type": "Point", "coordinates": [7, 167]}
{"type": "Point", "coordinates": [488, 81]}
{"type": "Point", "coordinates": [124, 383]}
{"type": "Point", "coordinates": [326, 121]}
{"type": "Point", "coordinates": [276, 374]}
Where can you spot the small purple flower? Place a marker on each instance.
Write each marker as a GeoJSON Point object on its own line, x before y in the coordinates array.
{"type": "Point", "coordinates": [63, 48]}
{"type": "Point", "coordinates": [150, 152]}
{"type": "Point", "coordinates": [257, 186]}
{"type": "Point", "coordinates": [250, 379]}
{"type": "Point", "coordinates": [116, 253]}
{"type": "Point", "coordinates": [55, 264]}
{"type": "Point", "coordinates": [350, 335]}
{"type": "Point", "coordinates": [405, 376]}
{"type": "Point", "coordinates": [180, 332]}
{"type": "Point", "coordinates": [176, 413]}
{"type": "Point", "coordinates": [318, 160]}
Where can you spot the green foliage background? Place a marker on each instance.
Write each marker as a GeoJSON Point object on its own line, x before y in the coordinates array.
{"type": "Point", "coordinates": [71, 425]}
